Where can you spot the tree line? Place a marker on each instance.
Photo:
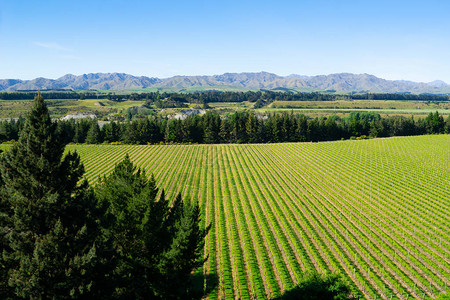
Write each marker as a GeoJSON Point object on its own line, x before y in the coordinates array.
{"type": "Point", "coordinates": [265, 96]}
{"type": "Point", "coordinates": [239, 127]}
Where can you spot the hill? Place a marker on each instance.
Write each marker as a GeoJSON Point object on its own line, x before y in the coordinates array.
{"type": "Point", "coordinates": [341, 82]}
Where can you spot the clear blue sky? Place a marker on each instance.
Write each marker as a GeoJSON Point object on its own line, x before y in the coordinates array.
{"type": "Point", "coordinates": [391, 39]}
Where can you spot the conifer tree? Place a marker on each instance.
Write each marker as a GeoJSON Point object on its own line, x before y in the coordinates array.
{"type": "Point", "coordinates": [94, 135]}
{"type": "Point", "coordinates": [158, 245]}
{"type": "Point", "coordinates": [5, 224]}
{"type": "Point", "coordinates": [54, 225]}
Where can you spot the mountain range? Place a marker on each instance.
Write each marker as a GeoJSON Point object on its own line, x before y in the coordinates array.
{"type": "Point", "coordinates": [340, 82]}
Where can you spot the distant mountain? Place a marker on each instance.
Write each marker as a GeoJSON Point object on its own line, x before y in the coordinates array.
{"type": "Point", "coordinates": [438, 83]}
{"type": "Point", "coordinates": [252, 81]}
{"type": "Point", "coordinates": [366, 82]}
{"type": "Point", "coordinates": [94, 81]}
{"type": "Point", "coordinates": [38, 83]}
{"type": "Point", "coordinates": [107, 81]}
{"type": "Point", "coordinates": [342, 82]}
{"type": "Point", "coordinates": [6, 83]}
{"type": "Point", "coordinates": [298, 76]}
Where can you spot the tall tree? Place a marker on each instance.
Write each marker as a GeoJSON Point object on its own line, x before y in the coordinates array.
{"type": "Point", "coordinates": [435, 123]}
{"type": "Point", "coordinates": [158, 244]}
{"type": "Point", "coordinates": [5, 225]}
{"type": "Point", "coordinates": [94, 134]}
{"type": "Point", "coordinates": [447, 125]}
{"type": "Point", "coordinates": [54, 225]}
{"type": "Point", "coordinates": [251, 127]}
{"type": "Point", "coordinates": [111, 132]}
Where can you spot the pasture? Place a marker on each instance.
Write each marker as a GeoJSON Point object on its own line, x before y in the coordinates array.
{"type": "Point", "coordinates": [344, 107]}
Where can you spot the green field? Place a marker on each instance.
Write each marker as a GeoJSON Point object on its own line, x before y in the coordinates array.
{"type": "Point", "coordinates": [375, 211]}
{"type": "Point", "coordinates": [61, 107]}
{"type": "Point", "coordinates": [107, 108]}
{"type": "Point", "coordinates": [344, 107]}
{"type": "Point", "coordinates": [363, 104]}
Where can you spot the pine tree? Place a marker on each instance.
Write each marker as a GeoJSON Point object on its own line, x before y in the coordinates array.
{"type": "Point", "coordinates": [54, 233]}
{"type": "Point", "coordinates": [184, 254]}
{"type": "Point", "coordinates": [5, 225]}
{"type": "Point", "coordinates": [94, 135]}
{"type": "Point", "coordinates": [111, 132]}
{"type": "Point", "coordinates": [159, 245]}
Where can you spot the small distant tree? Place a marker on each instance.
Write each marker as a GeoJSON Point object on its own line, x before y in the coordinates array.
{"type": "Point", "coordinates": [158, 244]}
{"type": "Point", "coordinates": [50, 222]}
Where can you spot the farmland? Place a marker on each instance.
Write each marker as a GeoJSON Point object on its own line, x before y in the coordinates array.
{"type": "Point", "coordinates": [375, 211]}
{"type": "Point", "coordinates": [116, 106]}
{"type": "Point", "coordinates": [61, 107]}
{"type": "Point", "coordinates": [344, 107]}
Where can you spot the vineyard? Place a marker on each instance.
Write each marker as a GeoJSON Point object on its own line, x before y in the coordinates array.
{"type": "Point", "coordinates": [375, 211]}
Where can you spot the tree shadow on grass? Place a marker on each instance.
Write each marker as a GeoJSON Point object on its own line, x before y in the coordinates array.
{"type": "Point", "coordinates": [203, 284]}
{"type": "Point", "coordinates": [320, 287]}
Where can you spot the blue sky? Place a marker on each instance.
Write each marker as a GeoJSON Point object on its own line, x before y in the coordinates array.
{"type": "Point", "coordinates": [407, 40]}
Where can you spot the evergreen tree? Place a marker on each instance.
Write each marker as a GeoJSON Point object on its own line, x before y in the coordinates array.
{"type": "Point", "coordinates": [94, 135]}
{"type": "Point", "coordinates": [251, 127]}
{"type": "Point", "coordinates": [111, 132]}
{"type": "Point", "coordinates": [447, 125]}
{"type": "Point", "coordinates": [435, 123]}
{"type": "Point", "coordinates": [172, 131]}
{"type": "Point", "coordinates": [130, 133]}
{"type": "Point", "coordinates": [5, 224]}
{"type": "Point", "coordinates": [81, 128]}
{"type": "Point", "coordinates": [158, 244]}
{"type": "Point", "coordinates": [225, 131]}
{"type": "Point", "coordinates": [301, 129]}
{"type": "Point", "coordinates": [53, 231]}
{"type": "Point", "coordinates": [67, 130]}
{"type": "Point", "coordinates": [211, 124]}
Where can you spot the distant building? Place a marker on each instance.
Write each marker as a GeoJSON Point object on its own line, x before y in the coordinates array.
{"type": "Point", "coordinates": [185, 113]}
{"type": "Point", "coordinates": [78, 117]}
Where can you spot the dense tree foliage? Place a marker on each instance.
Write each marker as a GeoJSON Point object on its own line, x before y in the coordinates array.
{"type": "Point", "coordinates": [220, 96]}
{"type": "Point", "coordinates": [158, 244]}
{"type": "Point", "coordinates": [52, 228]}
{"type": "Point", "coordinates": [5, 221]}
{"type": "Point", "coordinates": [240, 127]}
{"type": "Point", "coordinates": [61, 240]}
{"type": "Point", "coordinates": [9, 130]}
